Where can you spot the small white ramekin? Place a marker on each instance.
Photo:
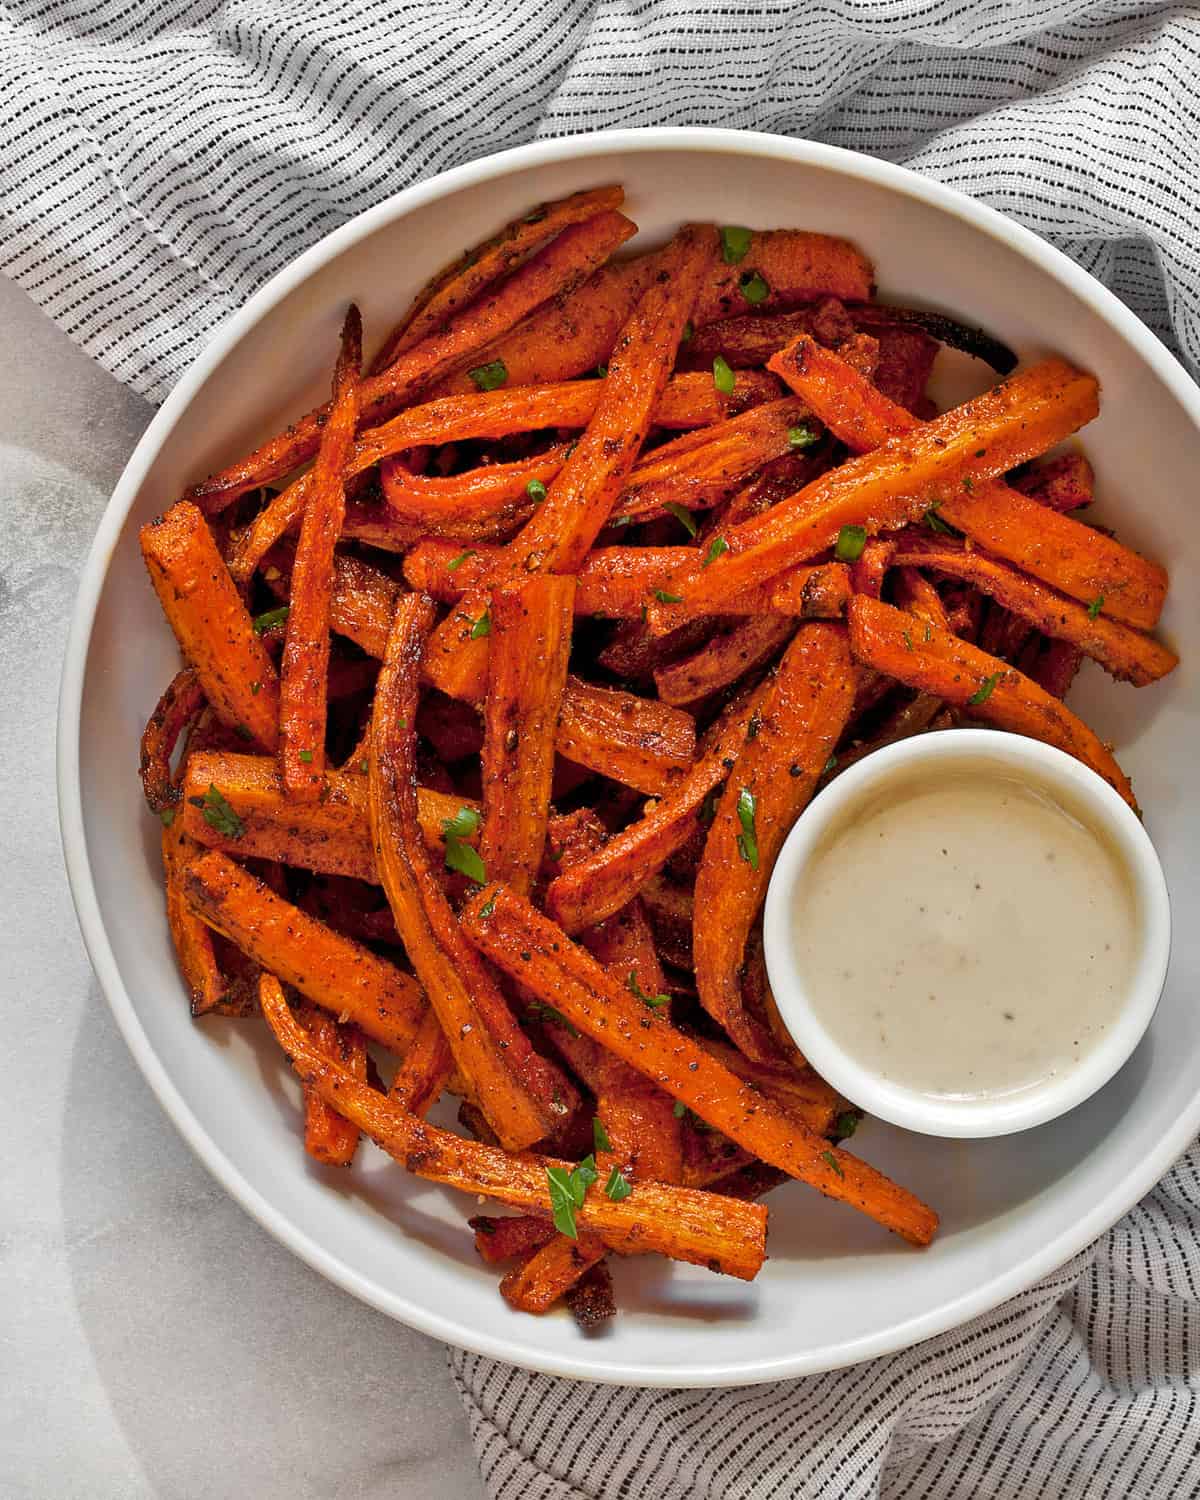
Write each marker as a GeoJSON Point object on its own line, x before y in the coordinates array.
{"type": "Point", "coordinates": [1078, 789]}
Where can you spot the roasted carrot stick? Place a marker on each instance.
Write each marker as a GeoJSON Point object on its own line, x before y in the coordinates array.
{"type": "Point", "coordinates": [425, 1069]}
{"type": "Point", "coordinates": [500, 1240]}
{"type": "Point", "coordinates": [191, 938]}
{"type": "Point", "coordinates": [1127, 654]}
{"type": "Point", "coordinates": [697, 1227]}
{"type": "Point", "coordinates": [533, 950]}
{"type": "Point", "coordinates": [598, 886]}
{"type": "Point", "coordinates": [935, 662]}
{"type": "Point", "coordinates": [1076, 559]}
{"type": "Point", "coordinates": [211, 624]}
{"type": "Point", "coordinates": [535, 1285]}
{"type": "Point", "coordinates": [730, 654]}
{"type": "Point", "coordinates": [582, 496]}
{"type": "Point", "coordinates": [556, 268]}
{"type": "Point", "coordinates": [457, 284]}
{"type": "Point", "coordinates": [796, 266]}
{"type": "Point", "coordinates": [178, 707]}
{"type": "Point", "coordinates": [527, 670]}
{"type": "Point", "coordinates": [328, 1138]}
{"type": "Point", "coordinates": [305, 668]}
{"type": "Point", "coordinates": [1063, 483]}
{"type": "Point", "coordinates": [798, 726]}
{"type": "Point", "coordinates": [636, 741]}
{"type": "Point", "coordinates": [345, 979]}
{"type": "Point", "coordinates": [521, 1094]}
{"type": "Point", "coordinates": [492, 501]}
{"type": "Point", "coordinates": [897, 482]}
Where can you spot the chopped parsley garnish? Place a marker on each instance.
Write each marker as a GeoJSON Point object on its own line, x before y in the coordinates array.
{"type": "Point", "coordinates": [679, 1109]}
{"type": "Point", "coordinates": [828, 1156]}
{"type": "Point", "coordinates": [482, 626]}
{"type": "Point", "coordinates": [567, 1192]}
{"type": "Point", "coordinates": [655, 1002]}
{"type": "Point", "coordinates": [935, 522]}
{"type": "Point", "coordinates": [716, 547]}
{"type": "Point", "coordinates": [306, 756]}
{"type": "Point", "coordinates": [723, 377]}
{"type": "Point", "coordinates": [1095, 606]}
{"type": "Point", "coordinates": [460, 856]}
{"type": "Point", "coordinates": [664, 598]}
{"type": "Point", "coordinates": [242, 732]}
{"type": "Point", "coordinates": [536, 491]}
{"type": "Point", "coordinates": [754, 288]}
{"type": "Point", "coordinates": [489, 377]}
{"type": "Point", "coordinates": [618, 1185]}
{"type": "Point", "coordinates": [255, 689]}
{"type": "Point", "coordinates": [218, 814]}
{"type": "Point", "coordinates": [985, 689]}
{"type": "Point", "coordinates": [364, 766]}
{"type": "Point", "coordinates": [846, 1124]}
{"type": "Point", "coordinates": [802, 436]}
{"type": "Point", "coordinates": [735, 242]}
{"type": "Point", "coordinates": [907, 639]}
{"type": "Point", "coordinates": [688, 330]}
{"type": "Point", "coordinates": [682, 515]}
{"type": "Point", "coordinates": [271, 618]}
{"type": "Point", "coordinates": [599, 1135]}
{"type": "Point", "coordinates": [830, 766]}
{"type": "Point", "coordinates": [747, 840]}
{"type": "Point", "coordinates": [167, 816]}
{"type": "Point", "coordinates": [968, 483]}
{"type": "Point", "coordinates": [463, 824]}
{"type": "Point", "coordinates": [487, 909]}
{"type": "Point", "coordinates": [538, 1010]}
{"type": "Point", "coordinates": [850, 543]}
{"type": "Point", "coordinates": [601, 371]}
{"type": "Point", "coordinates": [455, 563]}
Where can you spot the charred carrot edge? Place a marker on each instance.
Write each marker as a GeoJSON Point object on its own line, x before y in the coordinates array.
{"type": "Point", "coordinates": [723, 659]}
{"type": "Point", "coordinates": [896, 483]}
{"type": "Point", "coordinates": [1074, 558]}
{"type": "Point", "coordinates": [643, 744]}
{"type": "Point", "coordinates": [696, 1227]}
{"type": "Point", "coordinates": [1126, 654]}
{"type": "Point", "coordinates": [507, 929]}
{"type": "Point", "coordinates": [582, 496]}
{"type": "Point", "coordinates": [328, 1138]}
{"type": "Point", "coordinates": [362, 603]}
{"type": "Point", "coordinates": [462, 280]}
{"type": "Point", "coordinates": [190, 937]}
{"type": "Point", "coordinates": [1056, 666]}
{"type": "Point", "coordinates": [211, 624]}
{"type": "Point", "coordinates": [500, 1240]}
{"type": "Point", "coordinates": [603, 883]}
{"type": "Point", "coordinates": [180, 704]}
{"type": "Point", "coordinates": [521, 1094]}
{"type": "Point", "coordinates": [425, 1070]}
{"type": "Point", "coordinates": [797, 266]}
{"type": "Point", "coordinates": [936, 662]}
{"type": "Point", "coordinates": [341, 976]}
{"type": "Point", "coordinates": [483, 503]}
{"type": "Point", "coordinates": [1063, 483]}
{"type": "Point", "coordinates": [554, 270]}
{"type": "Point", "coordinates": [798, 726]}
{"type": "Point", "coordinates": [304, 671]}
{"type": "Point", "coordinates": [527, 671]}
{"type": "Point", "coordinates": [535, 1285]}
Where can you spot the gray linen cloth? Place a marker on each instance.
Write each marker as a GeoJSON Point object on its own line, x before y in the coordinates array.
{"type": "Point", "coordinates": [162, 158]}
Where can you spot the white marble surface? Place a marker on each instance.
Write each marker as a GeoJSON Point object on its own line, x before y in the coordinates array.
{"type": "Point", "coordinates": [154, 1342]}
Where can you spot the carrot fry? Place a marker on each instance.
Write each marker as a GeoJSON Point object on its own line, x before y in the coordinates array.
{"type": "Point", "coordinates": [500, 1240]}
{"type": "Point", "coordinates": [535, 1285]}
{"type": "Point", "coordinates": [192, 940]}
{"type": "Point", "coordinates": [722, 660]}
{"type": "Point", "coordinates": [454, 287]}
{"type": "Point", "coordinates": [602, 884]}
{"type": "Point", "coordinates": [555, 269]}
{"type": "Point", "coordinates": [507, 929]}
{"type": "Point", "coordinates": [343, 978]}
{"type": "Point", "coordinates": [211, 624]}
{"type": "Point", "coordinates": [799, 723]}
{"type": "Point", "coordinates": [361, 604]}
{"type": "Point", "coordinates": [1055, 667]}
{"type": "Point", "coordinates": [527, 670]}
{"type": "Point", "coordinates": [796, 265]}
{"type": "Point", "coordinates": [1126, 654]}
{"type": "Point", "coordinates": [178, 707]}
{"type": "Point", "coordinates": [492, 501]}
{"type": "Point", "coordinates": [800, 1090]}
{"type": "Point", "coordinates": [917, 595]}
{"type": "Point", "coordinates": [328, 1138]}
{"type": "Point", "coordinates": [686, 1225]}
{"type": "Point", "coordinates": [896, 483]}
{"type": "Point", "coordinates": [1063, 483]}
{"type": "Point", "coordinates": [304, 671]}
{"type": "Point", "coordinates": [636, 741]}
{"type": "Point", "coordinates": [522, 1095]}
{"type": "Point", "coordinates": [425, 1069]}
{"type": "Point", "coordinates": [1074, 558]}
{"type": "Point", "coordinates": [935, 662]}
{"type": "Point", "coordinates": [582, 496]}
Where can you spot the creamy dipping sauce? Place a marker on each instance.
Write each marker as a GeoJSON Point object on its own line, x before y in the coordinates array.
{"type": "Point", "coordinates": [963, 934]}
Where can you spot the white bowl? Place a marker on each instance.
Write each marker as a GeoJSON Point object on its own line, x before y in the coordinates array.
{"type": "Point", "coordinates": [1066, 782]}
{"type": "Point", "coordinates": [836, 1289]}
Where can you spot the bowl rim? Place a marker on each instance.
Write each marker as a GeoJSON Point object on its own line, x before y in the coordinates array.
{"type": "Point", "coordinates": [1065, 781]}
{"type": "Point", "coordinates": [522, 1350]}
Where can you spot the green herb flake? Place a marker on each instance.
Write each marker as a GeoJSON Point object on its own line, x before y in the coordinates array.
{"type": "Point", "coordinates": [271, 618]}
{"type": "Point", "coordinates": [716, 548]}
{"type": "Point", "coordinates": [754, 288]}
{"type": "Point", "coordinates": [802, 436]}
{"type": "Point", "coordinates": [747, 841]}
{"type": "Point", "coordinates": [850, 543]}
{"type": "Point", "coordinates": [618, 1185]}
{"type": "Point", "coordinates": [306, 756]}
{"type": "Point", "coordinates": [664, 598]}
{"type": "Point", "coordinates": [566, 1198]}
{"type": "Point", "coordinates": [968, 484]}
{"type": "Point", "coordinates": [723, 377]}
{"type": "Point", "coordinates": [689, 329]}
{"type": "Point", "coordinates": [655, 1002]}
{"type": "Point", "coordinates": [218, 814]}
{"type": "Point", "coordinates": [489, 377]}
{"type": "Point", "coordinates": [679, 1109]}
{"type": "Point", "coordinates": [242, 732]}
{"type": "Point", "coordinates": [463, 824]}
{"type": "Point", "coordinates": [830, 766]}
{"type": "Point", "coordinates": [935, 523]}
{"type": "Point", "coordinates": [1095, 606]}
{"type": "Point", "coordinates": [487, 909]}
{"type": "Point", "coordinates": [602, 372]}
{"type": "Point", "coordinates": [985, 689]}
{"type": "Point", "coordinates": [682, 515]}
{"type": "Point", "coordinates": [455, 563]}
{"type": "Point", "coordinates": [846, 1124]}
{"type": "Point", "coordinates": [538, 1010]}
{"type": "Point", "coordinates": [255, 689]}
{"type": "Point", "coordinates": [167, 816]}
{"type": "Point", "coordinates": [600, 1136]}
{"type": "Point", "coordinates": [832, 1161]}
{"type": "Point", "coordinates": [460, 856]}
{"type": "Point", "coordinates": [364, 766]}
{"type": "Point", "coordinates": [482, 626]}
{"type": "Point", "coordinates": [735, 242]}
{"type": "Point", "coordinates": [536, 491]}
{"type": "Point", "coordinates": [907, 639]}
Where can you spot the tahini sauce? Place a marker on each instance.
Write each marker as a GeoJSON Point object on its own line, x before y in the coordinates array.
{"type": "Point", "coordinates": [964, 935]}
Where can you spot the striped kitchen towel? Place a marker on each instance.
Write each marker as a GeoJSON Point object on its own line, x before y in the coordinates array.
{"type": "Point", "coordinates": [162, 158]}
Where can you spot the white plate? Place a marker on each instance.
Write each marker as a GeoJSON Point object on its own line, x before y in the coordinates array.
{"type": "Point", "coordinates": [836, 1289]}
